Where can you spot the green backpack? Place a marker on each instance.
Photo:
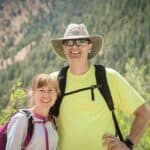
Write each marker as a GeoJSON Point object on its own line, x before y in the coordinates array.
{"type": "Point", "coordinates": [102, 85]}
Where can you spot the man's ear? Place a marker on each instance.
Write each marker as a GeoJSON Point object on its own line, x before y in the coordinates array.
{"type": "Point", "coordinates": [90, 46]}
{"type": "Point", "coordinates": [63, 47]}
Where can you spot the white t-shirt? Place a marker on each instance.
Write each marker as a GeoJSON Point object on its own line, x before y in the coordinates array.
{"type": "Point", "coordinates": [17, 130]}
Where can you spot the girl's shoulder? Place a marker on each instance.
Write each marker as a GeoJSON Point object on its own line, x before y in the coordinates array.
{"type": "Point", "coordinates": [21, 115]}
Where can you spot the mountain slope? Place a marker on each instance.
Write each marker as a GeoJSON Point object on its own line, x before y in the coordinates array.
{"type": "Point", "coordinates": [26, 28]}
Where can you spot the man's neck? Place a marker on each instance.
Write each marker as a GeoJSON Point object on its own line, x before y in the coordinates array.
{"type": "Point", "coordinates": [79, 68]}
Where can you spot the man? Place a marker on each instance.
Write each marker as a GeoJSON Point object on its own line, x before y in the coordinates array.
{"type": "Point", "coordinates": [84, 124]}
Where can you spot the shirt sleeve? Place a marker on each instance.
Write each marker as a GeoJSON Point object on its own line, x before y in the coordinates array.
{"type": "Point", "coordinates": [54, 75]}
{"type": "Point", "coordinates": [16, 131]}
{"type": "Point", "coordinates": [125, 97]}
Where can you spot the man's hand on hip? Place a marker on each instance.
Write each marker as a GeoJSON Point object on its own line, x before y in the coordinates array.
{"type": "Point", "coordinates": [113, 143]}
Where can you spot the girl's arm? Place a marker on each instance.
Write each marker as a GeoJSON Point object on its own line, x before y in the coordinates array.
{"type": "Point", "coordinates": [16, 131]}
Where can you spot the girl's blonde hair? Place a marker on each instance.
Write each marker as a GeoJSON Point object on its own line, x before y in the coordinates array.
{"type": "Point", "coordinates": [45, 80]}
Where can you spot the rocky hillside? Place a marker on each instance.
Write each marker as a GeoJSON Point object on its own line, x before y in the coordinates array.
{"type": "Point", "coordinates": [14, 15]}
{"type": "Point", "coordinates": [26, 27]}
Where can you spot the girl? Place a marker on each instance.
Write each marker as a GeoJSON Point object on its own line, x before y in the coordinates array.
{"type": "Point", "coordinates": [44, 94]}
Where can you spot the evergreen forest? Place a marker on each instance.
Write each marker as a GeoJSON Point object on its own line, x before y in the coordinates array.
{"type": "Point", "coordinates": [27, 26]}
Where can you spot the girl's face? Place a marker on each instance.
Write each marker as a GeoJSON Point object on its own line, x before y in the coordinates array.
{"type": "Point", "coordinates": [44, 97]}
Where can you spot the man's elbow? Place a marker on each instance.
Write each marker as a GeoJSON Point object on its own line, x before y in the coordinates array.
{"type": "Point", "coordinates": [143, 112]}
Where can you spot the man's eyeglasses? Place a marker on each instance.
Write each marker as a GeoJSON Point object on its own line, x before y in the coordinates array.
{"type": "Point", "coordinates": [78, 42]}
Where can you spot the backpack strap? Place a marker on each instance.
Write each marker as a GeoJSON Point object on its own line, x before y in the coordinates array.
{"type": "Point", "coordinates": [101, 80]}
{"type": "Point", "coordinates": [62, 85]}
{"type": "Point", "coordinates": [100, 74]}
{"type": "Point", "coordinates": [52, 118]}
{"type": "Point", "coordinates": [29, 129]}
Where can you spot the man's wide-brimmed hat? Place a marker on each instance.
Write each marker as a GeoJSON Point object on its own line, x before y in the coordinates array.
{"type": "Point", "coordinates": [77, 31]}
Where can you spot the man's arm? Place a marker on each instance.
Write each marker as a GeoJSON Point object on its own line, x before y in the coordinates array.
{"type": "Point", "coordinates": [140, 123]}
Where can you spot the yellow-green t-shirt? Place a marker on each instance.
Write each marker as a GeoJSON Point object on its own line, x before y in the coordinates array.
{"type": "Point", "coordinates": [83, 122]}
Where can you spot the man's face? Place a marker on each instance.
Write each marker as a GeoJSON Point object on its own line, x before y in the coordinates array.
{"type": "Point", "coordinates": [76, 49]}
